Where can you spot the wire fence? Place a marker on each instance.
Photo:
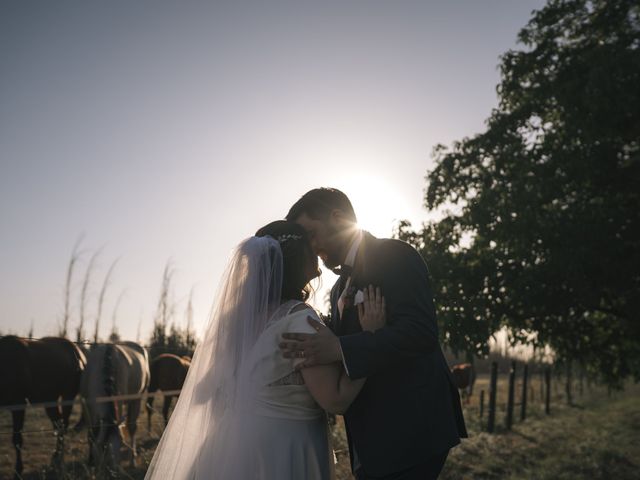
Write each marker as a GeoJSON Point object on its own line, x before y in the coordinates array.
{"type": "Point", "coordinates": [89, 344]}
{"type": "Point", "coordinates": [82, 401]}
{"type": "Point", "coordinates": [100, 399]}
{"type": "Point", "coordinates": [124, 443]}
{"type": "Point", "coordinates": [104, 399]}
{"type": "Point", "coordinates": [85, 343]}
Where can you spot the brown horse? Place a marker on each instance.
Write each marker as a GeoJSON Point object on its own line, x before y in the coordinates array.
{"type": "Point", "coordinates": [464, 376]}
{"type": "Point", "coordinates": [43, 370]}
{"type": "Point", "coordinates": [168, 372]}
{"type": "Point", "coordinates": [113, 370]}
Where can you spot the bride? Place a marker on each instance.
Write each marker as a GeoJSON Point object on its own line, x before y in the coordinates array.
{"type": "Point", "coordinates": [244, 411]}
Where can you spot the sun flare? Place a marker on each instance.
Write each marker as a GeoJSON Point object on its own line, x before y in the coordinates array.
{"type": "Point", "coordinates": [378, 204]}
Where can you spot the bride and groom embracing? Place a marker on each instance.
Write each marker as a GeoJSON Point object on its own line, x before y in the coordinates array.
{"type": "Point", "coordinates": [254, 401]}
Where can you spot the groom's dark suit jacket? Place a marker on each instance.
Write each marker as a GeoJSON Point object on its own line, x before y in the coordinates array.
{"type": "Point", "coordinates": [409, 408]}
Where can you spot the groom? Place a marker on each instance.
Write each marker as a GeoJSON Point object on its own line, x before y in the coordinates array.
{"type": "Point", "coordinates": [408, 415]}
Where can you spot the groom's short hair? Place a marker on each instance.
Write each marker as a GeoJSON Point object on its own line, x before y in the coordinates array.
{"type": "Point", "coordinates": [318, 204]}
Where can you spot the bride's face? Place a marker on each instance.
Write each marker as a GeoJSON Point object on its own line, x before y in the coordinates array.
{"type": "Point", "coordinates": [329, 238]}
{"type": "Point", "coordinates": [312, 269]}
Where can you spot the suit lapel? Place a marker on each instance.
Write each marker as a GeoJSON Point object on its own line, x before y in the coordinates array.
{"type": "Point", "coordinates": [335, 314]}
{"type": "Point", "coordinates": [360, 264]}
{"type": "Point", "coordinates": [349, 322]}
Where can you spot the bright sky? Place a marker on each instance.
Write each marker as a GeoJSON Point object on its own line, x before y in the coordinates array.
{"type": "Point", "coordinates": [172, 130]}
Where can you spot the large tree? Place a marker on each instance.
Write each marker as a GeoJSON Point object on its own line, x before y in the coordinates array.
{"type": "Point", "coordinates": [541, 231]}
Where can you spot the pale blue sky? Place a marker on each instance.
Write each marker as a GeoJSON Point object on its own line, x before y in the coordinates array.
{"type": "Point", "coordinates": [175, 129]}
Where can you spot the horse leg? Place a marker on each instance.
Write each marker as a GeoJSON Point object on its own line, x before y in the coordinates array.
{"type": "Point", "coordinates": [114, 438]}
{"type": "Point", "coordinates": [92, 431]}
{"type": "Point", "coordinates": [133, 410]}
{"type": "Point", "coordinates": [91, 440]}
{"type": "Point", "coordinates": [79, 424]}
{"type": "Point", "coordinates": [113, 450]}
{"type": "Point", "coordinates": [66, 412]}
{"type": "Point", "coordinates": [64, 424]}
{"type": "Point", "coordinates": [165, 409]}
{"type": "Point", "coordinates": [149, 407]}
{"type": "Point", "coordinates": [96, 438]}
{"type": "Point", "coordinates": [58, 426]}
{"type": "Point", "coordinates": [18, 424]}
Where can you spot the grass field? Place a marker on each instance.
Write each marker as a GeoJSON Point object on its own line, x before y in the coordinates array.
{"type": "Point", "coordinates": [598, 438]}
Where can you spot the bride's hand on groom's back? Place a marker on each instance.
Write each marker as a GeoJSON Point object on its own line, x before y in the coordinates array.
{"type": "Point", "coordinates": [372, 310]}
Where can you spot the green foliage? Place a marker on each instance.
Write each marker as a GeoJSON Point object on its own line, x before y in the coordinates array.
{"type": "Point", "coordinates": [466, 319]}
{"type": "Point", "coordinates": [178, 341]}
{"type": "Point", "coordinates": [541, 231]}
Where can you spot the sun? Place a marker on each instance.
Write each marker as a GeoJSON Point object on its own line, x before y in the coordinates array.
{"type": "Point", "coordinates": [378, 204]}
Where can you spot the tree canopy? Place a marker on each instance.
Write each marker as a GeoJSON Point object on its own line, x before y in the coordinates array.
{"type": "Point", "coordinates": [540, 229]}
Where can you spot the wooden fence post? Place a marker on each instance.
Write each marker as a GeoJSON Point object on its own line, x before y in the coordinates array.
{"type": "Point", "coordinates": [481, 403]}
{"type": "Point", "coordinates": [510, 398]}
{"type": "Point", "coordinates": [547, 400]}
{"type": "Point", "coordinates": [532, 394]}
{"type": "Point", "coordinates": [523, 405]}
{"type": "Point", "coordinates": [492, 397]}
{"type": "Point", "coordinates": [568, 383]}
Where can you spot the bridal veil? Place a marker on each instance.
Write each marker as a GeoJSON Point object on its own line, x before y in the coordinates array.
{"type": "Point", "coordinates": [204, 436]}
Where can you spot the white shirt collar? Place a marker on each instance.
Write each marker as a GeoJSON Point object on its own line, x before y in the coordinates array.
{"type": "Point", "coordinates": [353, 249]}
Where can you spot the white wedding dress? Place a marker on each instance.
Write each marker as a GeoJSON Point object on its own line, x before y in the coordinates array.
{"type": "Point", "coordinates": [244, 412]}
{"type": "Point", "coordinates": [289, 437]}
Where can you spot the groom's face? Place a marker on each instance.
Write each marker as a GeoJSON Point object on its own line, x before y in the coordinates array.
{"type": "Point", "coordinates": [329, 237]}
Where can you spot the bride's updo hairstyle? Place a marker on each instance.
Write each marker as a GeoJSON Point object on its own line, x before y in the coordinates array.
{"type": "Point", "coordinates": [297, 257]}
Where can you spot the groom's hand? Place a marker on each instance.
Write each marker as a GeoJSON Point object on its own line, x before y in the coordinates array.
{"type": "Point", "coordinates": [316, 348]}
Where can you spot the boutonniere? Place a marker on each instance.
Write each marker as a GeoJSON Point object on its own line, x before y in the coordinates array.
{"type": "Point", "coordinates": [352, 297]}
{"type": "Point", "coordinates": [349, 296]}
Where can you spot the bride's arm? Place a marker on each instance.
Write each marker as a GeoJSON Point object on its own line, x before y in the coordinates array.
{"type": "Point", "coordinates": [330, 386]}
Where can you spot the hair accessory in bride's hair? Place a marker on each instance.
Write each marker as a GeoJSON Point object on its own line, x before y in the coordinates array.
{"type": "Point", "coordinates": [286, 237]}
